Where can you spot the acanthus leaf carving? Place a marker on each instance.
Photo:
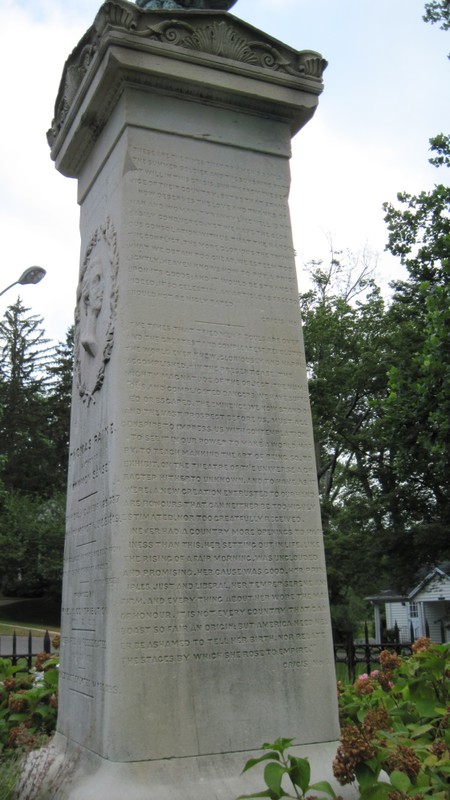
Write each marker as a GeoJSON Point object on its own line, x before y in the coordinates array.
{"type": "Point", "coordinates": [112, 13]}
{"type": "Point", "coordinates": [76, 68]}
{"type": "Point", "coordinates": [225, 40]}
{"type": "Point", "coordinates": [220, 39]}
{"type": "Point", "coordinates": [172, 31]}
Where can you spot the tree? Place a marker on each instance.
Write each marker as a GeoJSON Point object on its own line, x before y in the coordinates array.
{"type": "Point", "coordinates": [59, 405]}
{"type": "Point", "coordinates": [346, 346]}
{"type": "Point", "coordinates": [35, 390]}
{"type": "Point", "coordinates": [418, 407]}
{"type": "Point", "coordinates": [24, 442]}
{"type": "Point", "coordinates": [438, 11]}
{"type": "Point", "coordinates": [31, 544]}
{"type": "Point", "coordinates": [379, 398]}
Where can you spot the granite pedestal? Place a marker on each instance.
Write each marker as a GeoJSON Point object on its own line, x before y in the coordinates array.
{"type": "Point", "coordinates": [195, 611]}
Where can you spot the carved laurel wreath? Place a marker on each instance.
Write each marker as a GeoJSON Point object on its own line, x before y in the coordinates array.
{"type": "Point", "coordinates": [107, 234]}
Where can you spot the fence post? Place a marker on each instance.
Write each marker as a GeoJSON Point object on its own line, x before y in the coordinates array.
{"type": "Point", "coordinates": [427, 629]}
{"type": "Point", "coordinates": [47, 645]}
{"type": "Point", "coordinates": [397, 638]}
{"type": "Point", "coordinates": [367, 647]}
{"type": "Point", "coordinates": [30, 651]}
{"type": "Point", "coordinates": [411, 632]}
{"type": "Point", "coordinates": [14, 650]}
{"type": "Point", "coordinates": [351, 657]}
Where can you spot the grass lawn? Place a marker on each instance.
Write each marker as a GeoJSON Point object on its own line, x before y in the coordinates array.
{"type": "Point", "coordinates": [8, 628]}
{"type": "Point", "coordinates": [37, 613]}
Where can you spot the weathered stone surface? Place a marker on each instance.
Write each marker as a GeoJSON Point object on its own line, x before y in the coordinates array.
{"type": "Point", "coordinates": [189, 4]}
{"type": "Point", "coordinates": [80, 775]}
{"type": "Point", "coordinates": [195, 619]}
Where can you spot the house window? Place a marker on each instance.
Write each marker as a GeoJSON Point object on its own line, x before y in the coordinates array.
{"type": "Point", "coordinates": [413, 610]}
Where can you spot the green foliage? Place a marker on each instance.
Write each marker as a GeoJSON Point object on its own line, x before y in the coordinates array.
{"type": "Point", "coordinates": [35, 390]}
{"type": "Point", "coordinates": [417, 407]}
{"type": "Point", "coordinates": [28, 702]}
{"type": "Point", "coordinates": [58, 407]}
{"type": "Point", "coordinates": [396, 725]}
{"type": "Point", "coordinates": [438, 11]}
{"type": "Point", "coordinates": [346, 346]}
{"type": "Point", "coordinates": [24, 442]}
{"type": "Point", "coordinates": [284, 766]}
{"type": "Point", "coordinates": [32, 541]}
{"type": "Point", "coordinates": [380, 398]}
{"type": "Point", "coordinates": [440, 144]}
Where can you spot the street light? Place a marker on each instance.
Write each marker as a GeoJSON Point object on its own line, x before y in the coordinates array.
{"type": "Point", "coordinates": [31, 275]}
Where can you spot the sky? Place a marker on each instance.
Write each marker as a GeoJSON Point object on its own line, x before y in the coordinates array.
{"type": "Point", "coordinates": [386, 93]}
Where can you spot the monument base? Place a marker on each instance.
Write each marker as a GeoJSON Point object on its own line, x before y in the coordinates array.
{"type": "Point", "coordinates": [64, 771]}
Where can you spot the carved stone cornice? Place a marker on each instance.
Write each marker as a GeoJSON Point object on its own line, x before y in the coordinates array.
{"type": "Point", "coordinates": [215, 40]}
{"type": "Point", "coordinates": [225, 37]}
{"type": "Point", "coordinates": [221, 38]}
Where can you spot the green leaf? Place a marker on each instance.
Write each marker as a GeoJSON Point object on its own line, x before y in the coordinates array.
{"type": "Point", "coordinates": [417, 732]}
{"type": "Point", "coordinates": [253, 761]}
{"type": "Point", "coordinates": [273, 775]}
{"type": "Point", "coordinates": [365, 776]}
{"type": "Point", "coordinates": [426, 707]}
{"type": "Point", "coordinates": [400, 781]}
{"type": "Point", "coordinates": [51, 677]}
{"type": "Point", "coordinates": [279, 745]}
{"type": "Point", "coordinates": [378, 791]}
{"type": "Point", "coordinates": [18, 717]}
{"type": "Point", "coordinates": [300, 772]}
{"type": "Point", "coordinates": [45, 711]}
{"type": "Point", "coordinates": [325, 787]}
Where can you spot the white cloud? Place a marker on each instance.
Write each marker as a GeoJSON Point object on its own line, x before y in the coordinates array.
{"type": "Point", "coordinates": [383, 99]}
{"type": "Point", "coordinates": [38, 211]}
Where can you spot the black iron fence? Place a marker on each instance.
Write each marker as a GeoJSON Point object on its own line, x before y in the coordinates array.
{"type": "Point", "coordinates": [23, 648]}
{"type": "Point", "coordinates": [353, 652]}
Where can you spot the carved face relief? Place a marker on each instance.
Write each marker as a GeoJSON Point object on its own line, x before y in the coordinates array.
{"type": "Point", "coordinates": [96, 310]}
{"type": "Point", "coordinates": [92, 290]}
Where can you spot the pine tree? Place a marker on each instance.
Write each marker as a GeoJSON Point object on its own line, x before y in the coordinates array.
{"type": "Point", "coordinates": [59, 405]}
{"type": "Point", "coordinates": [25, 446]}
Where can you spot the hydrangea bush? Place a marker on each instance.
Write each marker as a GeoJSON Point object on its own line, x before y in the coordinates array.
{"type": "Point", "coordinates": [395, 735]}
{"type": "Point", "coordinates": [28, 701]}
{"type": "Point", "coordinates": [395, 727]}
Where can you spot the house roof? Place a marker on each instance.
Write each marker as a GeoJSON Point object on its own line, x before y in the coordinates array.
{"type": "Point", "coordinates": [436, 572]}
{"type": "Point", "coordinates": [387, 596]}
{"type": "Point", "coordinates": [391, 596]}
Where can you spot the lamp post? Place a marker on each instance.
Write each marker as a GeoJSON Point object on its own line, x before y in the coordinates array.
{"type": "Point", "coordinates": [31, 275]}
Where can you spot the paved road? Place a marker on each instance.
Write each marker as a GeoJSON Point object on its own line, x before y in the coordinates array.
{"type": "Point", "coordinates": [22, 645]}
{"type": "Point", "coordinates": [6, 640]}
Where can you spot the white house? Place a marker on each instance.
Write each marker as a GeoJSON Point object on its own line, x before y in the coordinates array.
{"type": "Point", "coordinates": [425, 610]}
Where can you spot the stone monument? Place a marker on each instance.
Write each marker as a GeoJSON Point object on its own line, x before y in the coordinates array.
{"type": "Point", "coordinates": [195, 609]}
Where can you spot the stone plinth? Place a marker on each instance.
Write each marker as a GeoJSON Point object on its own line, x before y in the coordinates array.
{"type": "Point", "coordinates": [195, 611]}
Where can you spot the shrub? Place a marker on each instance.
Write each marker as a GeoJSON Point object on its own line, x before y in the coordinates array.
{"type": "Point", "coordinates": [283, 768]}
{"type": "Point", "coordinates": [395, 734]}
{"type": "Point", "coordinates": [397, 721]}
{"type": "Point", "coordinates": [28, 702]}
